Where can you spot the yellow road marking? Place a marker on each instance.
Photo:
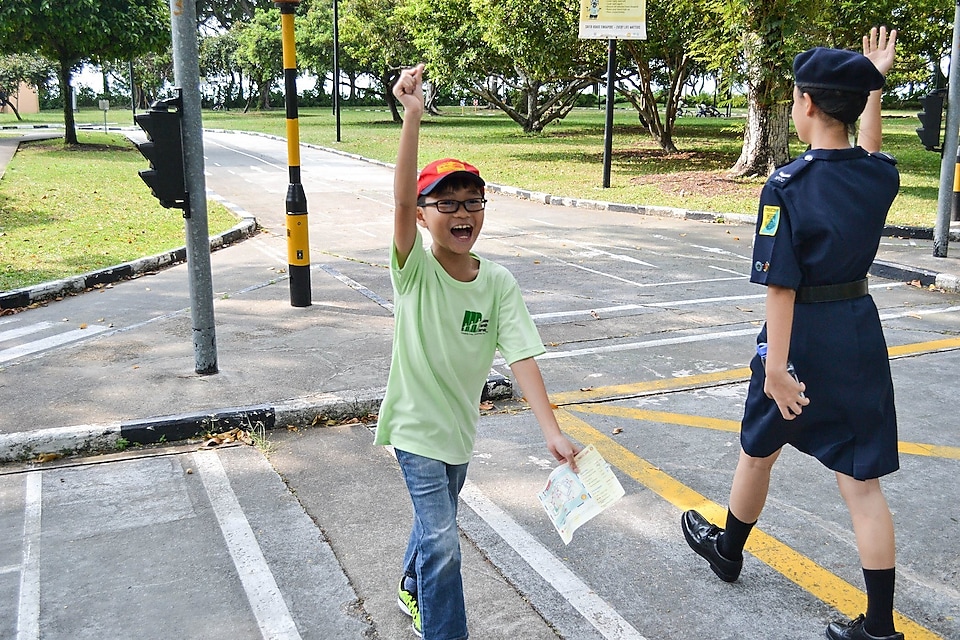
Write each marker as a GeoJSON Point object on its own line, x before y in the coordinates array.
{"type": "Point", "coordinates": [664, 384]}
{"type": "Point", "coordinates": [720, 377]}
{"type": "Point", "coordinates": [796, 567]}
{"type": "Point", "coordinates": [924, 347]}
{"type": "Point", "coordinates": [630, 413]}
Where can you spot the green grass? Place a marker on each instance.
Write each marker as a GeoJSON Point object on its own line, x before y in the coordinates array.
{"type": "Point", "coordinates": [66, 211]}
{"type": "Point", "coordinates": [567, 158]}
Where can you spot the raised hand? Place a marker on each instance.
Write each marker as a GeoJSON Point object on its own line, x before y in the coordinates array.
{"type": "Point", "coordinates": [408, 89]}
{"type": "Point", "coordinates": [879, 48]}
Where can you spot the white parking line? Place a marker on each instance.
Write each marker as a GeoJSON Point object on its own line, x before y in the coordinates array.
{"type": "Point", "coordinates": [596, 610]}
{"type": "Point", "coordinates": [261, 588]}
{"type": "Point", "coordinates": [28, 607]}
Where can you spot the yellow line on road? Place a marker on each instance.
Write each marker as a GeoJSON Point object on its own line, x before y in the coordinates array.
{"type": "Point", "coordinates": [719, 377]}
{"type": "Point", "coordinates": [923, 347]}
{"type": "Point", "coordinates": [664, 384]}
{"type": "Point", "coordinates": [796, 567]}
{"type": "Point", "coordinates": [703, 422]}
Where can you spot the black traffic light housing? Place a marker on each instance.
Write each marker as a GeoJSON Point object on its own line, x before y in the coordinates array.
{"type": "Point", "coordinates": [930, 120]}
{"type": "Point", "coordinates": [164, 150]}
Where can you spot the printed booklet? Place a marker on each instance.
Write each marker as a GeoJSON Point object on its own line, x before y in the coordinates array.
{"type": "Point", "coordinates": [571, 499]}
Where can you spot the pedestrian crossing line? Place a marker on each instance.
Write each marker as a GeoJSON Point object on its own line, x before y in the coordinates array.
{"type": "Point", "coordinates": [799, 569]}
{"type": "Point", "coordinates": [719, 424]}
{"type": "Point", "coordinates": [37, 327]}
{"type": "Point", "coordinates": [28, 606]}
{"type": "Point", "coordinates": [49, 343]}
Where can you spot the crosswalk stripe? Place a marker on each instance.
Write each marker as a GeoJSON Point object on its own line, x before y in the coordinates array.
{"type": "Point", "coordinates": [10, 334]}
{"type": "Point", "coordinates": [48, 343]}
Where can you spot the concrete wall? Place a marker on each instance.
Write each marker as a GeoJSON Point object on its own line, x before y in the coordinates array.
{"type": "Point", "coordinates": [25, 99]}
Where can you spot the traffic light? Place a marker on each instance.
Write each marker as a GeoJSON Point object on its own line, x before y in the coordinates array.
{"type": "Point", "coordinates": [930, 119]}
{"type": "Point", "coordinates": [164, 150]}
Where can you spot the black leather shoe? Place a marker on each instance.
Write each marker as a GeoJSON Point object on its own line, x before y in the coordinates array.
{"type": "Point", "coordinates": [702, 538]}
{"type": "Point", "coordinates": [854, 630]}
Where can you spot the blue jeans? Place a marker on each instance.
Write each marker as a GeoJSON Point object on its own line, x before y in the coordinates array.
{"type": "Point", "coordinates": [433, 553]}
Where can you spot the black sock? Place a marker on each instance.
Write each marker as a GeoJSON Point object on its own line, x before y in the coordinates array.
{"type": "Point", "coordinates": [879, 616]}
{"type": "Point", "coordinates": [734, 537]}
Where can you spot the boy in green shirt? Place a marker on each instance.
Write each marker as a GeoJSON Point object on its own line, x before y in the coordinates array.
{"type": "Point", "coordinates": [453, 311]}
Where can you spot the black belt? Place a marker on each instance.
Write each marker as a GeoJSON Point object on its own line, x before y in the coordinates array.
{"type": "Point", "coordinates": [832, 292]}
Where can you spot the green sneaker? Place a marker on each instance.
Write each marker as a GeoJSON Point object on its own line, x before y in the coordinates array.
{"type": "Point", "coordinates": [408, 604]}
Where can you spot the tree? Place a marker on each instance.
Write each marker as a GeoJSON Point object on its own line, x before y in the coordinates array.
{"type": "Point", "coordinates": [218, 60]}
{"type": "Point", "coordinates": [72, 31]}
{"type": "Point", "coordinates": [663, 61]}
{"type": "Point", "coordinates": [374, 36]}
{"type": "Point", "coordinates": [19, 69]}
{"type": "Point", "coordinates": [260, 52]}
{"type": "Point", "coordinates": [521, 56]}
{"type": "Point", "coordinates": [753, 42]}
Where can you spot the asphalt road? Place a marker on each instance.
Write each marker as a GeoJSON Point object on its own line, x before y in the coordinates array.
{"type": "Point", "coordinates": [649, 323]}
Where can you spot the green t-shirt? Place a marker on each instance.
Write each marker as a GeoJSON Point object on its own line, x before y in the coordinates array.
{"type": "Point", "coordinates": [445, 337]}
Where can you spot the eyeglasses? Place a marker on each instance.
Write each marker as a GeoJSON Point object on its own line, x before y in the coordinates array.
{"type": "Point", "coordinates": [472, 205]}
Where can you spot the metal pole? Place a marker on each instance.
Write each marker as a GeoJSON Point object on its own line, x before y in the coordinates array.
{"type": "Point", "coordinates": [608, 127]}
{"type": "Point", "coordinates": [336, 66]}
{"type": "Point", "coordinates": [133, 94]}
{"type": "Point", "coordinates": [186, 72]}
{"type": "Point", "coordinates": [298, 235]}
{"type": "Point", "coordinates": [950, 160]}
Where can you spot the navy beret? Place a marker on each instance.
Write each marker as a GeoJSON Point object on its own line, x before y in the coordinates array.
{"type": "Point", "coordinates": [839, 69]}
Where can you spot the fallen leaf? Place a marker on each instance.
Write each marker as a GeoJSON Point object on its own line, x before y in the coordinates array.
{"type": "Point", "coordinates": [586, 388]}
{"type": "Point", "coordinates": [536, 262]}
{"type": "Point", "coordinates": [49, 457]}
{"type": "Point", "coordinates": [487, 406]}
{"type": "Point", "coordinates": [83, 325]}
{"type": "Point", "coordinates": [915, 283]}
{"type": "Point", "coordinates": [745, 309]}
{"type": "Point", "coordinates": [617, 430]}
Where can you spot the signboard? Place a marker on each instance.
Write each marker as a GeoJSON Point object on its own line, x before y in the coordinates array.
{"type": "Point", "coordinates": [613, 19]}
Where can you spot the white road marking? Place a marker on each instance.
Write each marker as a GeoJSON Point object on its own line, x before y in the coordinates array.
{"type": "Point", "coordinates": [49, 343]}
{"type": "Point", "coordinates": [10, 334]}
{"type": "Point", "coordinates": [596, 610]}
{"type": "Point", "coordinates": [261, 588]}
{"type": "Point", "coordinates": [28, 608]}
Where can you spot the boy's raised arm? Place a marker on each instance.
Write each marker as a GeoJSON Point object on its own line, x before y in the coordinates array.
{"type": "Point", "coordinates": [409, 91]}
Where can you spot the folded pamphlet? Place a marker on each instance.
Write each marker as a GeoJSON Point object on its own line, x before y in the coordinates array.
{"type": "Point", "coordinates": [571, 499]}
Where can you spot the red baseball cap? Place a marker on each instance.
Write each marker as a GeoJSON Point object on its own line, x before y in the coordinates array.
{"type": "Point", "coordinates": [439, 170]}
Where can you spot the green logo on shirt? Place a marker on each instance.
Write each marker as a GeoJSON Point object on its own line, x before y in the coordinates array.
{"type": "Point", "coordinates": [473, 323]}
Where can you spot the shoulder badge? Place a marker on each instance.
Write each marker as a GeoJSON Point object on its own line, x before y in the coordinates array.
{"type": "Point", "coordinates": [886, 157]}
{"type": "Point", "coordinates": [782, 176]}
{"type": "Point", "coordinates": [769, 221]}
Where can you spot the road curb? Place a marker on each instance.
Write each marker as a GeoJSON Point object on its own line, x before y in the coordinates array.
{"type": "Point", "coordinates": [319, 410]}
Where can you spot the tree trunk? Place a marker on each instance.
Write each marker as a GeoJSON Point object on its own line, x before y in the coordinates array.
{"type": "Point", "coordinates": [66, 91]}
{"type": "Point", "coordinates": [5, 101]}
{"type": "Point", "coordinates": [765, 137]}
{"type": "Point", "coordinates": [387, 80]}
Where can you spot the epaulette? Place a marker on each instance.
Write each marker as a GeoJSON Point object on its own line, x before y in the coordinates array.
{"type": "Point", "coordinates": [886, 157]}
{"type": "Point", "coordinates": [782, 176]}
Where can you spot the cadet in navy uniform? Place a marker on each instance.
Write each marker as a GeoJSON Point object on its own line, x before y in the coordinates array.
{"type": "Point", "coordinates": [818, 230]}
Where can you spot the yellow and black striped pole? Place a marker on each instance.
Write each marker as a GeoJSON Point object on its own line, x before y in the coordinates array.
{"type": "Point", "coordinates": [298, 235]}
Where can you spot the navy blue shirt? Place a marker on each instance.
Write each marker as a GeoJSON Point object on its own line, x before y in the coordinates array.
{"type": "Point", "coordinates": [821, 216]}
